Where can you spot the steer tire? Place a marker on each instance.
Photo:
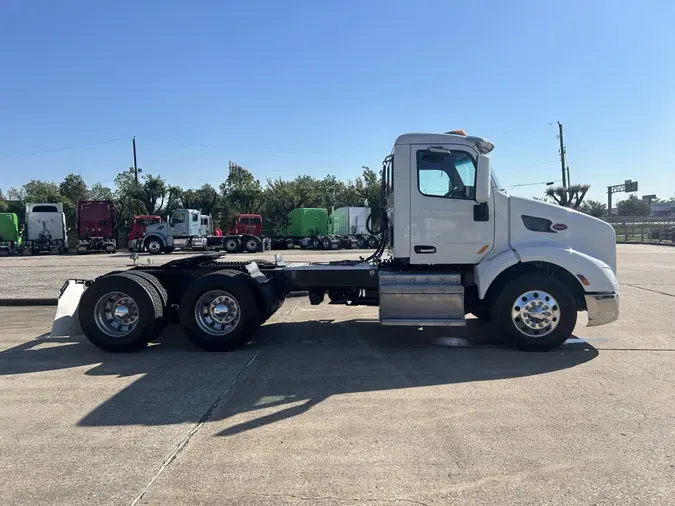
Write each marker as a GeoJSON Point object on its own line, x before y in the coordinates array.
{"type": "Point", "coordinates": [150, 312]}
{"type": "Point", "coordinates": [154, 245]}
{"type": "Point", "coordinates": [506, 300]}
{"type": "Point", "coordinates": [236, 284]}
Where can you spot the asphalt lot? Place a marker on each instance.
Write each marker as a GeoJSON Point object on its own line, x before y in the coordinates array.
{"type": "Point", "coordinates": [326, 407]}
{"type": "Point", "coordinates": [42, 276]}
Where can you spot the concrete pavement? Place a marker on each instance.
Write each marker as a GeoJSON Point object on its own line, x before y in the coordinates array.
{"type": "Point", "coordinates": [326, 407]}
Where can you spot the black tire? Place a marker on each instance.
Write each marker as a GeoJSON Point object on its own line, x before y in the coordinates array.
{"type": "Point", "coordinates": [326, 243]}
{"type": "Point", "coordinates": [163, 295]}
{"type": "Point", "coordinates": [150, 312]}
{"type": "Point", "coordinates": [504, 303]}
{"type": "Point", "coordinates": [231, 244]}
{"type": "Point", "coordinates": [169, 249]}
{"type": "Point", "coordinates": [316, 243]}
{"type": "Point", "coordinates": [154, 245]}
{"type": "Point", "coordinates": [237, 286]}
{"type": "Point", "coordinates": [361, 242]}
{"type": "Point", "coordinates": [373, 242]}
{"type": "Point", "coordinates": [252, 245]}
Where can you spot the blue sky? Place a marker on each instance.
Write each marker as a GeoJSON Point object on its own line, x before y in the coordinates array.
{"type": "Point", "coordinates": [299, 87]}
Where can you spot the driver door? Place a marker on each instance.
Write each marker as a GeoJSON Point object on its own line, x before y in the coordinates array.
{"type": "Point", "coordinates": [179, 224]}
{"type": "Point", "coordinates": [445, 227]}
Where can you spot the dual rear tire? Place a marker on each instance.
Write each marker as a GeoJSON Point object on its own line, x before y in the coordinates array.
{"type": "Point", "coordinates": [122, 312]}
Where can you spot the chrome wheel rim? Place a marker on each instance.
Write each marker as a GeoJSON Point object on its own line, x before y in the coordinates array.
{"type": "Point", "coordinates": [217, 313]}
{"type": "Point", "coordinates": [154, 247]}
{"type": "Point", "coordinates": [535, 313]}
{"type": "Point", "coordinates": [251, 245]}
{"type": "Point", "coordinates": [231, 245]}
{"type": "Point", "coordinates": [116, 314]}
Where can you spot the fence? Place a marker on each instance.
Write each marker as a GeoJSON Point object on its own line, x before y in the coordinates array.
{"type": "Point", "coordinates": [643, 229]}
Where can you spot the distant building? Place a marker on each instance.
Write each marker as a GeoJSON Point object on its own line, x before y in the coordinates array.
{"type": "Point", "coordinates": [663, 209]}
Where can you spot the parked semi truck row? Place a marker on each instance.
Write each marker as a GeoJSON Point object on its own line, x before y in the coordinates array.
{"type": "Point", "coordinates": [307, 228]}
{"type": "Point", "coordinates": [456, 243]}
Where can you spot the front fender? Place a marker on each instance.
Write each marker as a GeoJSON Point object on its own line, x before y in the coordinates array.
{"type": "Point", "coordinates": [599, 275]}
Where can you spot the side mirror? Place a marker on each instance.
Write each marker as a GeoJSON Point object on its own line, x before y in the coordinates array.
{"type": "Point", "coordinates": [483, 179]}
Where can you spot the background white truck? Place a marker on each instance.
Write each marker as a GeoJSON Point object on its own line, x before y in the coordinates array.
{"type": "Point", "coordinates": [46, 229]}
{"type": "Point", "coordinates": [457, 244]}
{"type": "Point", "coordinates": [349, 224]}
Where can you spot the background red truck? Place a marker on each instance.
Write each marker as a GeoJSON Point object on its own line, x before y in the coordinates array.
{"type": "Point", "coordinates": [138, 226]}
{"type": "Point", "coordinates": [95, 226]}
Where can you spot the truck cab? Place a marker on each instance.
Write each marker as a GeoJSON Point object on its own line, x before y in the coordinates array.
{"type": "Point", "coordinates": [10, 234]}
{"type": "Point", "coordinates": [251, 224]}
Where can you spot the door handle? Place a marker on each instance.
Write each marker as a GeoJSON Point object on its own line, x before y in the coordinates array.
{"type": "Point", "coordinates": [424, 249]}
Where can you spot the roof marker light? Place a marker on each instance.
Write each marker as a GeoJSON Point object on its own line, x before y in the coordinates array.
{"type": "Point", "coordinates": [457, 132]}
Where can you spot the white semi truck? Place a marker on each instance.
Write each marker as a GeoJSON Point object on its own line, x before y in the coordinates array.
{"type": "Point", "coordinates": [456, 243]}
{"type": "Point", "coordinates": [46, 229]}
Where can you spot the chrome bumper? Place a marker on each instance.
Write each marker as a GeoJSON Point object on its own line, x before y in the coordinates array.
{"type": "Point", "coordinates": [602, 308]}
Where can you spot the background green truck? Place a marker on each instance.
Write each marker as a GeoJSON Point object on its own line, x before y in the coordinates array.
{"type": "Point", "coordinates": [10, 235]}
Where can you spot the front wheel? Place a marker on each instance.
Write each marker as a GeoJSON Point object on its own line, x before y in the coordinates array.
{"type": "Point", "coordinates": [538, 312]}
{"type": "Point", "coordinates": [154, 246]}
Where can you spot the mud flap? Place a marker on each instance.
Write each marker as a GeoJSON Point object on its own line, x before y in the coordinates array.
{"type": "Point", "coordinates": [66, 323]}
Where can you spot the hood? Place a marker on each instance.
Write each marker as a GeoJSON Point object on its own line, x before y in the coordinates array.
{"type": "Point", "coordinates": [155, 228]}
{"type": "Point", "coordinates": [536, 222]}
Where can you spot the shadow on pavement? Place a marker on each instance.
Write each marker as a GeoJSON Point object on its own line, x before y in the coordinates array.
{"type": "Point", "coordinates": [297, 365]}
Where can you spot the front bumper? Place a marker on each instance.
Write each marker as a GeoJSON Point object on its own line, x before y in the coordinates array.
{"type": "Point", "coordinates": [602, 308]}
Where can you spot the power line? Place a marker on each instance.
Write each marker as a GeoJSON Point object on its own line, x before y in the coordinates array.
{"type": "Point", "coordinates": [257, 150]}
{"type": "Point", "coordinates": [529, 165]}
{"type": "Point", "coordinates": [536, 127]}
{"type": "Point", "coordinates": [61, 149]}
{"type": "Point", "coordinates": [531, 184]}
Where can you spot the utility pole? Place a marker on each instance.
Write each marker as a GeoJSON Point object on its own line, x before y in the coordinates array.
{"type": "Point", "coordinates": [563, 162]}
{"type": "Point", "coordinates": [133, 144]}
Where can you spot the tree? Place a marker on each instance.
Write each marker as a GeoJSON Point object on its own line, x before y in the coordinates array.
{"type": "Point", "coordinates": [241, 193]}
{"type": "Point", "coordinates": [100, 192]}
{"type": "Point", "coordinates": [152, 193]}
{"type": "Point", "coordinates": [369, 188]}
{"type": "Point", "coordinates": [572, 196]}
{"type": "Point", "coordinates": [633, 206]}
{"type": "Point", "coordinates": [4, 206]}
{"type": "Point", "coordinates": [594, 208]}
{"type": "Point", "coordinates": [73, 188]}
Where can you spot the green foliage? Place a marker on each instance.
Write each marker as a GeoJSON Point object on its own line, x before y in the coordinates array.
{"type": "Point", "coordinates": [571, 196]}
{"type": "Point", "coordinates": [241, 192]}
{"type": "Point", "coordinates": [633, 206]}
{"type": "Point", "coordinates": [594, 208]}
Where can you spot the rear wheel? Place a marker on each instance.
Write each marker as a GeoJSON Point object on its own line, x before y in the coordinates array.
{"type": "Point", "coordinates": [218, 311]}
{"type": "Point", "coordinates": [252, 245]}
{"type": "Point", "coordinates": [326, 243]}
{"type": "Point", "coordinates": [538, 312]}
{"type": "Point", "coordinates": [121, 312]}
{"type": "Point", "coordinates": [316, 243]}
{"type": "Point", "coordinates": [231, 244]}
{"type": "Point", "coordinates": [372, 242]}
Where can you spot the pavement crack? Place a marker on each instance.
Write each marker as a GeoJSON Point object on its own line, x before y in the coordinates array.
{"type": "Point", "coordinates": [357, 500]}
{"type": "Point", "coordinates": [204, 418]}
{"type": "Point", "coordinates": [649, 290]}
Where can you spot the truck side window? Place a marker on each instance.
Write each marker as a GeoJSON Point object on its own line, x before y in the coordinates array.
{"type": "Point", "coordinates": [195, 217]}
{"type": "Point", "coordinates": [449, 175]}
{"type": "Point", "coordinates": [179, 218]}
